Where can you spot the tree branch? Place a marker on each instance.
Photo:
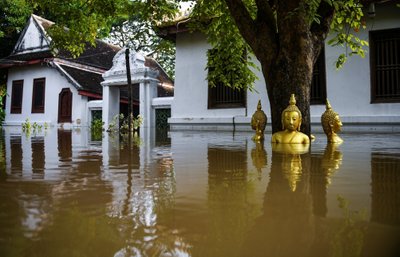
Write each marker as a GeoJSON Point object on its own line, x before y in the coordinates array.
{"type": "Point", "coordinates": [242, 18]}
{"type": "Point", "coordinates": [265, 13]}
{"type": "Point", "coordinates": [320, 31]}
{"type": "Point", "coordinates": [260, 34]}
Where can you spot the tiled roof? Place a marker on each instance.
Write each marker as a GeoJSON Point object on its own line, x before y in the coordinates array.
{"type": "Point", "coordinates": [89, 81]}
{"type": "Point", "coordinates": [100, 56]}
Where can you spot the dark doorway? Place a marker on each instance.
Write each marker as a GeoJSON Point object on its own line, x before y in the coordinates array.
{"type": "Point", "coordinates": [65, 105]}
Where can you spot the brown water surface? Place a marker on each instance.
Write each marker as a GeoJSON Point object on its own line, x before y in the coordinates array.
{"type": "Point", "coordinates": [197, 194]}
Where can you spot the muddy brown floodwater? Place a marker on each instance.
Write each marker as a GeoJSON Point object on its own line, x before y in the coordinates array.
{"type": "Point", "coordinates": [197, 194]}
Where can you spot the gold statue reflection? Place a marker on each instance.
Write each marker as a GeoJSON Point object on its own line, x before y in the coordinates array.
{"type": "Point", "coordinates": [287, 225]}
{"type": "Point", "coordinates": [259, 157]}
{"type": "Point", "coordinates": [291, 164]}
{"type": "Point", "coordinates": [323, 167]}
{"type": "Point", "coordinates": [331, 160]}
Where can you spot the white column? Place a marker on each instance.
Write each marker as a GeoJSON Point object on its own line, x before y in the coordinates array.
{"type": "Point", "coordinates": [148, 91]}
{"type": "Point", "coordinates": [110, 104]}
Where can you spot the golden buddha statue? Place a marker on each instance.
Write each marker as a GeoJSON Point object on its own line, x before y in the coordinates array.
{"type": "Point", "coordinates": [258, 123]}
{"type": "Point", "coordinates": [331, 124]}
{"type": "Point", "coordinates": [291, 122]}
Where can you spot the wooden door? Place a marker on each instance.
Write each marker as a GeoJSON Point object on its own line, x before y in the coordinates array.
{"type": "Point", "coordinates": [65, 105]}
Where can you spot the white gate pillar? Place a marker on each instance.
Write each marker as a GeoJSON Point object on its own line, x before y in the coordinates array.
{"type": "Point", "coordinates": [148, 91]}
{"type": "Point", "coordinates": [110, 104]}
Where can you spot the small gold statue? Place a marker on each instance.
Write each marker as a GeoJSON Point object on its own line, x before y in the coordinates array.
{"type": "Point", "coordinates": [331, 124]}
{"type": "Point", "coordinates": [291, 122]}
{"type": "Point", "coordinates": [258, 123]}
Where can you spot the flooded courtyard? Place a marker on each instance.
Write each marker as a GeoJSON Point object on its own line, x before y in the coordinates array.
{"type": "Point", "coordinates": [197, 194]}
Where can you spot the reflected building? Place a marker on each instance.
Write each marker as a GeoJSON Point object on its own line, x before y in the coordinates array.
{"type": "Point", "coordinates": [15, 157]}
{"type": "Point", "coordinates": [228, 193]}
{"type": "Point", "coordinates": [38, 157]}
{"type": "Point", "coordinates": [385, 177]}
{"type": "Point", "coordinates": [64, 147]}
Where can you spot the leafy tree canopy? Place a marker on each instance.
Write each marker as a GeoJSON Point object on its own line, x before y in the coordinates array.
{"type": "Point", "coordinates": [230, 33]}
{"type": "Point", "coordinates": [81, 22]}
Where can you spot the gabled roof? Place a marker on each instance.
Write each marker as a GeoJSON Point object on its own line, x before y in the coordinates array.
{"type": "Point", "coordinates": [33, 38]}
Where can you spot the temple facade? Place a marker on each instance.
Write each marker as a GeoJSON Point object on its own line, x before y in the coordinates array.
{"type": "Point", "coordinates": [366, 92]}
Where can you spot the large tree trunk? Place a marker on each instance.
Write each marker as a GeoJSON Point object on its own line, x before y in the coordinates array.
{"type": "Point", "coordinates": [290, 75]}
{"type": "Point", "coordinates": [287, 42]}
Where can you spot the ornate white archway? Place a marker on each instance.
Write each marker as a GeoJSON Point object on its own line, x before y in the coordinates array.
{"type": "Point", "coordinates": [116, 77]}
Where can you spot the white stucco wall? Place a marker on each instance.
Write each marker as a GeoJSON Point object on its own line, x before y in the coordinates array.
{"type": "Point", "coordinates": [348, 89]}
{"type": "Point", "coordinates": [55, 82]}
{"type": "Point", "coordinates": [190, 105]}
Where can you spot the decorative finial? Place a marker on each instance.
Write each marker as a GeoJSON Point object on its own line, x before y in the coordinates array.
{"type": "Point", "coordinates": [259, 105]}
{"type": "Point", "coordinates": [328, 105]}
{"type": "Point", "coordinates": [292, 100]}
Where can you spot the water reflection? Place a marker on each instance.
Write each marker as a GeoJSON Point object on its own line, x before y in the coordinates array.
{"type": "Point", "coordinates": [287, 225]}
{"type": "Point", "coordinates": [259, 156]}
{"type": "Point", "coordinates": [323, 168]}
{"type": "Point", "coordinates": [228, 190]}
{"type": "Point", "coordinates": [197, 194]}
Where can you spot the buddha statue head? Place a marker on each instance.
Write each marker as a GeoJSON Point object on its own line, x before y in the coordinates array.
{"type": "Point", "coordinates": [259, 122]}
{"type": "Point", "coordinates": [291, 116]}
{"type": "Point", "coordinates": [331, 124]}
{"type": "Point", "coordinates": [291, 122]}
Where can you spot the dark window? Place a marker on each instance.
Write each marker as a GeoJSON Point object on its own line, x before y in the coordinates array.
{"type": "Point", "coordinates": [38, 95]}
{"type": "Point", "coordinates": [318, 84]}
{"type": "Point", "coordinates": [222, 96]}
{"type": "Point", "coordinates": [16, 96]}
{"type": "Point", "coordinates": [385, 65]}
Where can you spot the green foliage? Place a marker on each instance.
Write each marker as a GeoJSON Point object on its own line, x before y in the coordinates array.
{"type": "Point", "coordinates": [348, 239]}
{"type": "Point", "coordinates": [113, 126]}
{"type": "Point", "coordinates": [347, 20]}
{"type": "Point", "coordinates": [140, 36]}
{"type": "Point", "coordinates": [26, 126]}
{"type": "Point", "coordinates": [3, 92]}
{"type": "Point", "coordinates": [135, 123]}
{"type": "Point", "coordinates": [13, 16]}
{"type": "Point", "coordinates": [230, 62]}
{"type": "Point", "coordinates": [80, 21]}
{"type": "Point", "coordinates": [96, 129]}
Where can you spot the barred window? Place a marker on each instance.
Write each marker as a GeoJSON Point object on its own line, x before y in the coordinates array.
{"type": "Point", "coordinates": [385, 65]}
{"type": "Point", "coordinates": [38, 95]}
{"type": "Point", "coordinates": [222, 96]}
{"type": "Point", "coordinates": [16, 96]}
{"type": "Point", "coordinates": [318, 84]}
